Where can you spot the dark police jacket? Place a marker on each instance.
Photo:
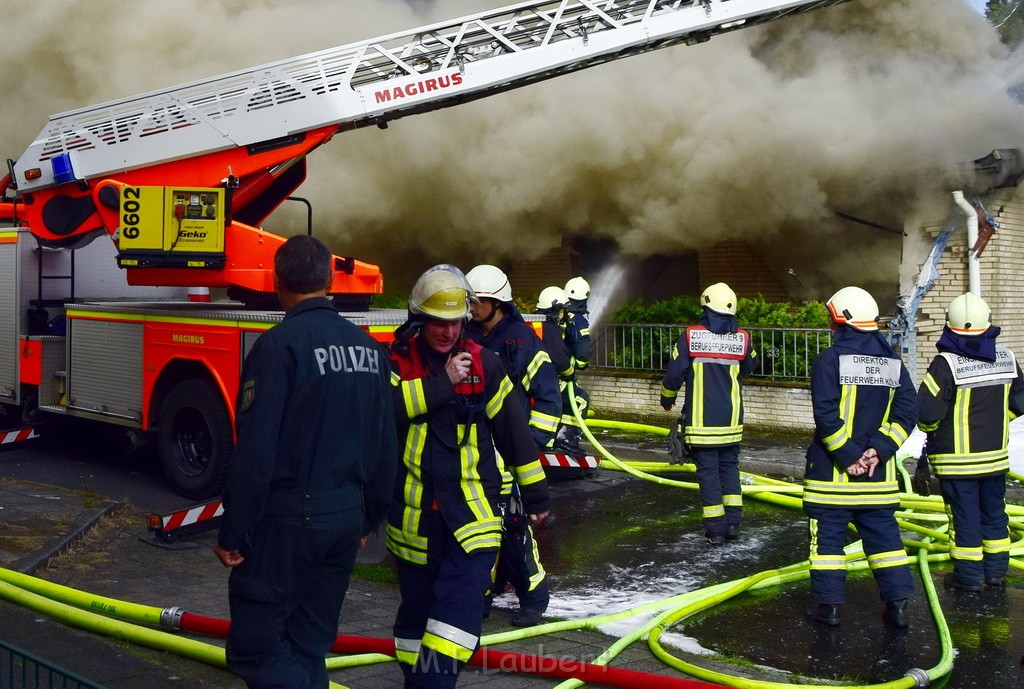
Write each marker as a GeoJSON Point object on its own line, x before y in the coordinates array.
{"type": "Point", "coordinates": [315, 424]}
{"type": "Point", "coordinates": [529, 368]}
{"type": "Point", "coordinates": [711, 359]}
{"type": "Point", "coordinates": [449, 463]}
{"type": "Point", "coordinates": [862, 397]}
{"type": "Point", "coordinates": [972, 390]}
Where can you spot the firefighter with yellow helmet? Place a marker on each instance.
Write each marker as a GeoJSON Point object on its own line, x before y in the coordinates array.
{"type": "Point", "coordinates": [864, 410]}
{"type": "Point", "coordinates": [711, 359]}
{"type": "Point", "coordinates": [972, 389]}
{"type": "Point", "coordinates": [455, 409]}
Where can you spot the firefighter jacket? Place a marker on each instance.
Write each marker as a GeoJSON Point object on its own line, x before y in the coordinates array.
{"type": "Point", "coordinates": [862, 397]}
{"type": "Point", "coordinates": [529, 368]}
{"type": "Point", "coordinates": [554, 344]}
{"type": "Point", "coordinates": [711, 360]}
{"type": "Point", "coordinates": [449, 463]}
{"type": "Point", "coordinates": [576, 334]}
{"type": "Point", "coordinates": [971, 392]}
{"type": "Point", "coordinates": [315, 424]}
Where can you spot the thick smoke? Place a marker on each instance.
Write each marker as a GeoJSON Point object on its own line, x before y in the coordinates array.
{"type": "Point", "coordinates": [760, 134]}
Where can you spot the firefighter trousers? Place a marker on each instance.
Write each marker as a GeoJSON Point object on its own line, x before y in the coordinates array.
{"type": "Point", "coordinates": [718, 475]}
{"type": "Point", "coordinates": [978, 527]}
{"type": "Point", "coordinates": [438, 625]}
{"type": "Point", "coordinates": [519, 564]}
{"type": "Point", "coordinates": [286, 596]}
{"type": "Point", "coordinates": [883, 547]}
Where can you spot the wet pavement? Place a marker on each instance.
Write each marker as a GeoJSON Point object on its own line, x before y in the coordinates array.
{"type": "Point", "coordinates": [612, 542]}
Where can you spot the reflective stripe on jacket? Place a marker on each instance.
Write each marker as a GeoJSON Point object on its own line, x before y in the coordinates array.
{"type": "Point", "coordinates": [967, 417]}
{"type": "Point", "coordinates": [862, 398]}
{"type": "Point", "coordinates": [448, 435]}
{"type": "Point", "coordinates": [712, 366]}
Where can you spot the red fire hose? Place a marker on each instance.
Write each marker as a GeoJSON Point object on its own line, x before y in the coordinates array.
{"type": "Point", "coordinates": [505, 661]}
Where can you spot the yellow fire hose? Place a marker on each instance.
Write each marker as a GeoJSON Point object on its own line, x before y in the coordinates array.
{"type": "Point", "coordinates": [83, 609]}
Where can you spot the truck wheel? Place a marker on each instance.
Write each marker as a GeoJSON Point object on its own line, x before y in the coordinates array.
{"type": "Point", "coordinates": [195, 439]}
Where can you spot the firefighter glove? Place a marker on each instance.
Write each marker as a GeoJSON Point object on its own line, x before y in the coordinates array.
{"type": "Point", "coordinates": [923, 476]}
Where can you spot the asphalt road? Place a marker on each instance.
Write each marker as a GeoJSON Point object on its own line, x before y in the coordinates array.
{"type": "Point", "coordinates": [82, 455]}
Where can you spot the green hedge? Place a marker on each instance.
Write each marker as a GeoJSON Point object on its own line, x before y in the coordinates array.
{"type": "Point", "coordinates": [786, 356]}
{"type": "Point", "coordinates": [751, 313]}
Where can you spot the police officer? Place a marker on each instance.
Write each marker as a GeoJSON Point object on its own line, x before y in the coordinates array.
{"type": "Point", "coordinates": [312, 475]}
{"type": "Point", "coordinates": [552, 304]}
{"type": "Point", "coordinates": [864, 409]}
{"type": "Point", "coordinates": [455, 408]}
{"type": "Point", "coordinates": [965, 402]}
{"type": "Point", "coordinates": [711, 359]}
{"type": "Point", "coordinates": [498, 326]}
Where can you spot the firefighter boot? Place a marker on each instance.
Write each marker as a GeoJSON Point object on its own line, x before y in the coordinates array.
{"type": "Point", "coordinates": [896, 612]}
{"type": "Point", "coordinates": [955, 581]}
{"type": "Point", "coordinates": [714, 539]}
{"type": "Point", "coordinates": [825, 613]}
{"type": "Point", "coordinates": [732, 532]}
{"type": "Point", "coordinates": [527, 617]}
{"type": "Point", "coordinates": [567, 441]}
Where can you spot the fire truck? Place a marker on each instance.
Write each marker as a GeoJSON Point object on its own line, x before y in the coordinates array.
{"type": "Point", "coordinates": [175, 185]}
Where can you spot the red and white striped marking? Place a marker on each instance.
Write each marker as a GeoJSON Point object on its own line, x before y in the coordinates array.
{"type": "Point", "coordinates": [193, 515]}
{"type": "Point", "coordinates": [17, 436]}
{"type": "Point", "coordinates": [551, 459]}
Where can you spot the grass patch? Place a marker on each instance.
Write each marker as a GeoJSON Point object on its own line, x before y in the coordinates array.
{"type": "Point", "coordinates": [378, 574]}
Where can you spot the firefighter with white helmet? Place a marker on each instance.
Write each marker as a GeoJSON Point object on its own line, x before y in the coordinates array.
{"type": "Point", "coordinates": [972, 389]}
{"type": "Point", "coordinates": [576, 335]}
{"type": "Point", "coordinates": [864, 410]}
{"type": "Point", "coordinates": [551, 304]}
{"type": "Point", "coordinates": [711, 359]}
{"type": "Point", "coordinates": [498, 326]}
{"type": "Point", "coordinates": [455, 412]}
{"type": "Point", "coordinates": [577, 329]}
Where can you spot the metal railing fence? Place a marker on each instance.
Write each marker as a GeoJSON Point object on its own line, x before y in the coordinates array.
{"type": "Point", "coordinates": [782, 353]}
{"type": "Point", "coordinates": [22, 670]}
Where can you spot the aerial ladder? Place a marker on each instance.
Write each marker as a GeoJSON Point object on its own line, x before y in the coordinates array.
{"type": "Point", "coordinates": [182, 179]}
{"type": "Point", "coordinates": [245, 135]}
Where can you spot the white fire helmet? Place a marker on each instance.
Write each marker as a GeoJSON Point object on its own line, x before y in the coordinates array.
{"type": "Point", "coordinates": [443, 293]}
{"type": "Point", "coordinates": [854, 307]}
{"type": "Point", "coordinates": [968, 314]}
{"type": "Point", "coordinates": [490, 282]}
{"type": "Point", "coordinates": [552, 298]}
{"type": "Point", "coordinates": [720, 298]}
{"type": "Point", "coordinates": [577, 288]}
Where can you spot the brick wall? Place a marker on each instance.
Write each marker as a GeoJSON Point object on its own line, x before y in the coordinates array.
{"type": "Point", "coordinates": [1002, 277]}
{"type": "Point", "coordinates": [618, 394]}
{"type": "Point", "coordinates": [735, 263]}
{"type": "Point", "coordinates": [529, 277]}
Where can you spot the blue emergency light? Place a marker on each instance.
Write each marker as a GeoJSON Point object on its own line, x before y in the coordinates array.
{"type": "Point", "coordinates": [62, 168]}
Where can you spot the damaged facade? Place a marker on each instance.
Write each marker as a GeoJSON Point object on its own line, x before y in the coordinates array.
{"type": "Point", "coordinates": [999, 279]}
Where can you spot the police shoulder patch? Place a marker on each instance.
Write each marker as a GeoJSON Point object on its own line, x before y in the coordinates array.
{"type": "Point", "coordinates": [248, 394]}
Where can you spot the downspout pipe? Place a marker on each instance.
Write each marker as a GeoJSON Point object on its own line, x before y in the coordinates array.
{"type": "Point", "coordinates": [973, 265]}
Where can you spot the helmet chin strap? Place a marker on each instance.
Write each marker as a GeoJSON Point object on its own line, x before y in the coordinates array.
{"type": "Point", "coordinates": [493, 317]}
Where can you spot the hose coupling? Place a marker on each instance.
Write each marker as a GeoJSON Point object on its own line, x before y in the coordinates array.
{"type": "Point", "coordinates": [171, 618]}
{"type": "Point", "coordinates": [921, 678]}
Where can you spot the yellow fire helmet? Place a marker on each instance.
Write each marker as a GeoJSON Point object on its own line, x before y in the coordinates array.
{"type": "Point", "coordinates": [854, 307]}
{"type": "Point", "coordinates": [720, 298]}
{"type": "Point", "coordinates": [968, 314]}
{"type": "Point", "coordinates": [442, 292]}
{"type": "Point", "coordinates": [578, 289]}
{"type": "Point", "coordinates": [552, 298]}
